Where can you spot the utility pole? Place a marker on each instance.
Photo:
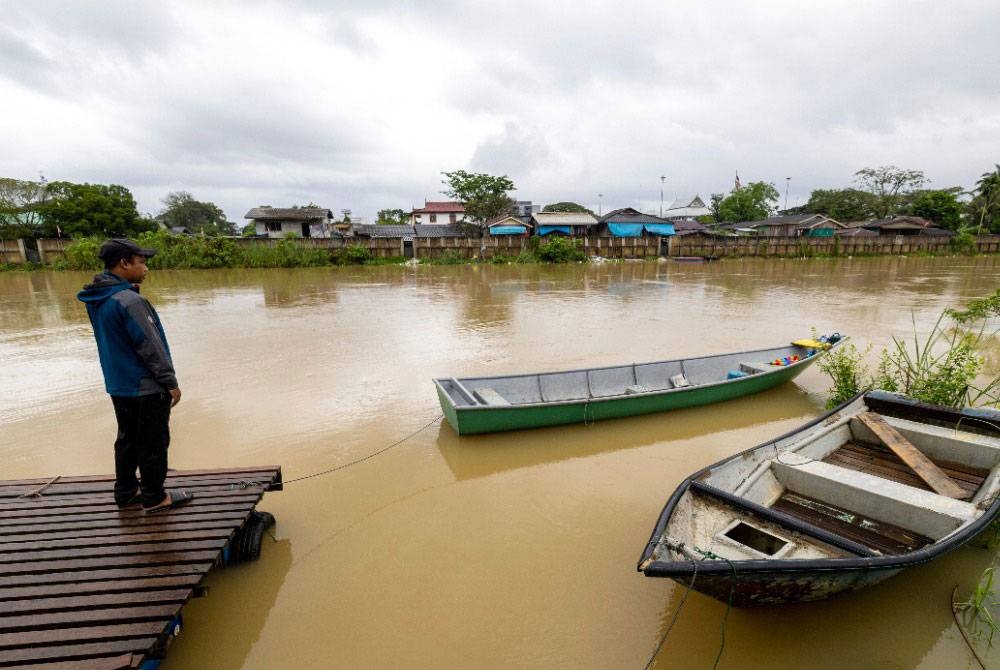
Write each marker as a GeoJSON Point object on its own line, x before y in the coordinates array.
{"type": "Point", "coordinates": [663, 180]}
{"type": "Point", "coordinates": [787, 181]}
{"type": "Point", "coordinates": [599, 196]}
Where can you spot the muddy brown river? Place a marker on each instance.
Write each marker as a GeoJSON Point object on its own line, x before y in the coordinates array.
{"type": "Point", "coordinates": [513, 550]}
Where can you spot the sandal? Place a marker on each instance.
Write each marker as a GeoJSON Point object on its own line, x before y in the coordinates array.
{"type": "Point", "coordinates": [132, 501]}
{"type": "Point", "coordinates": [177, 498]}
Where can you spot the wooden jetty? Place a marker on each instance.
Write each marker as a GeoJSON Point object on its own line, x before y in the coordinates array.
{"type": "Point", "coordinates": [86, 585]}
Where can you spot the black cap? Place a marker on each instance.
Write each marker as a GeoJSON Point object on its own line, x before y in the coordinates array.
{"type": "Point", "coordinates": [114, 250]}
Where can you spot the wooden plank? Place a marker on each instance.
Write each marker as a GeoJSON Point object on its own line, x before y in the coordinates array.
{"type": "Point", "coordinates": [117, 662]}
{"type": "Point", "coordinates": [96, 488]}
{"type": "Point", "coordinates": [80, 634]}
{"type": "Point", "coordinates": [116, 562]}
{"type": "Point", "coordinates": [171, 475]}
{"type": "Point", "coordinates": [120, 534]}
{"type": "Point", "coordinates": [76, 602]}
{"type": "Point", "coordinates": [138, 583]}
{"type": "Point", "coordinates": [104, 575]}
{"type": "Point", "coordinates": [121, 541]}
{"type": "Point", "coordinates": [181, 545]}
{"type": "Point", "coordinates": [196, 506]}
{"type": "Point", "coordinates": [107, 501]}
{"type": "Point", "coordinates": [896, 470]}
{"type": "Point", "coordinates": [910, 455]}
{"type": "Point", "coordinates": [138, 523]}
{"type": "Point", "coordinates": [75, 652]}
{"type": "Point", "coordinates": [109, 615]}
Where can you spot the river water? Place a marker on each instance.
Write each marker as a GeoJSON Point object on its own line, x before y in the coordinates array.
{"type": "Point", "coordinates": [512, 550]}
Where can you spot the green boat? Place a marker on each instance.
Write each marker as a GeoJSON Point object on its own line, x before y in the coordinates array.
{"type": "Point", "coordinates": [513, 402]}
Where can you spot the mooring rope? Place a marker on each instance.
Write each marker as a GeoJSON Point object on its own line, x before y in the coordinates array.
{"type": "Point", "coordinates": [679, 547]}
{"type": "Point", "coordinates": [37, 493]}
{"type": "Point", "coordinates": [968, 643]}
{"type": "Point", "coordinates": [371, 455]}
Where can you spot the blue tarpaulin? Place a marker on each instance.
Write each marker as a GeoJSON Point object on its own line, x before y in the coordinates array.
{"type": "Point", "coordinates": [659, 228]}
{"type": "Point", "coordinates": [545, 230]}
{"type": "Point", "coordinates": [508, 230]}
{"type": "Point", "coordinates": [625, 229]}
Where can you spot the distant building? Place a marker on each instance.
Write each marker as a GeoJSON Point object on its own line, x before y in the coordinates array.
{"type": "Point", "coordinates": [564, 223]}
{"type": "Point", "coordinates": [793, 225]}
{"type": "Point", "coordinates": [508, 225]}
{"type": "Point", "coordinates": [438, 213]}
{"type": "Point", "coordinates": [628, 222]}
{"type": "Point", "coordinates": [899, 225]}
{"type": "Point", "coordinates": [686, 209]}
{"type": "Point", "coordinates": [302, 221]}
{"type": "Point", "coordinates": [523, 209]}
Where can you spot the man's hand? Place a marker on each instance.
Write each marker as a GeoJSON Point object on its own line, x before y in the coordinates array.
{"type": "Point", "coordinates": [175, 396]}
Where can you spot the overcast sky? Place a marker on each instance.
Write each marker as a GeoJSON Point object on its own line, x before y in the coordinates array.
{"type": "Point", "coordinates": [361, 106]}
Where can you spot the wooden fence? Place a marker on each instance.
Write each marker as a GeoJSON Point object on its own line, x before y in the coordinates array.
{"type": "Point", "coordinates": [468, 248]}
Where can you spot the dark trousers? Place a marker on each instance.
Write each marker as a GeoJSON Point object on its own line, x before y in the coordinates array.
{"type": "Point", "coordinates": [143, 438]}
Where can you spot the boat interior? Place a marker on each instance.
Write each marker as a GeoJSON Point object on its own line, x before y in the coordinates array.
{"type": "Point", "coordinates": [841, 491]}
{"type": "Point", "coordinates": [615, 381]}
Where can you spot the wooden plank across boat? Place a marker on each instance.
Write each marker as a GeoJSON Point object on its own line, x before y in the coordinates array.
{"type": "Point", "coordinates": [84, 584]}
{"type": "Point", "coordinates": [491, 404]}
{"type": "Point", "coordinates": [831, 507]}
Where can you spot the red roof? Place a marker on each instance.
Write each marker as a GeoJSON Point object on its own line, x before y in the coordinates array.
{"type": "Point", "coordinates": [439, 208]}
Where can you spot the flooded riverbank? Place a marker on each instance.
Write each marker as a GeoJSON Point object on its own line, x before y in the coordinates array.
{"type": "Point", "coordinates": [508, 550]}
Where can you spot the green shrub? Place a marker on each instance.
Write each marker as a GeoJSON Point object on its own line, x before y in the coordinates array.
{"type": "Point", "coordinates": [81, 254]}
{"type": "Point", "coordinates": [560, 250]}
{"type": "Point", "coordinates": [353, 254]}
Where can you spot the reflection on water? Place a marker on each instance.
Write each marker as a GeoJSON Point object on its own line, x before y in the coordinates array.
{"type": "Point", "coordinates": [508, 550]}
{"type": "Point", "coordinates": [480, 455]}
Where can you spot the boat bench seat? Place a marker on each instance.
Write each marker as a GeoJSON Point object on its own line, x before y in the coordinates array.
{"type": "Point", "coordinates": [756, 367]}
{"type": "Point", "coordinates": [488, 396]}
{"type": "Point", "coordinates": [924, 512]}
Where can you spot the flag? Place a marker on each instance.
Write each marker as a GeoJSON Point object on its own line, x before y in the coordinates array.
{"type": "Point", "coordinates": [737, 186]}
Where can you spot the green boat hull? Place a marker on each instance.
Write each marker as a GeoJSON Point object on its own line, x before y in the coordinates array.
{"type": "Point", "coordinates": [475, 420]}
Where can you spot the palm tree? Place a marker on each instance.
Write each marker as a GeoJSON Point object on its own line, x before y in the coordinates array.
{"type": "Point", "coordinates": [986, 198]}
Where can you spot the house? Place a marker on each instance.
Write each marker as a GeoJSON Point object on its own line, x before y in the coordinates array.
{"type": "Point", "coordinates": [686, 209]}
{"type": "Point", "coordinates": [690, 227]}
{"type": "Point", "coordinates": [900, 225]}
{"type": "Point", "coordinates": [438, 213]}
{"type": "Point", "coordinates": [301, 221]}
{"type": "Point", "coordinates": [407, 232]}
{"type": "Point", "coordinates": [628, 222]}
{"type": "Point", "coordinates": [793, 225]}
{"type": "Point", "coordinates": [564, 223]}
{"type": "Point", "coordinates": [508, 225]}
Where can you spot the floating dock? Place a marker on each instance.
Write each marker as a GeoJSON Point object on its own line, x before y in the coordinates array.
{"type": "Point", "coordinates": [87, 586]}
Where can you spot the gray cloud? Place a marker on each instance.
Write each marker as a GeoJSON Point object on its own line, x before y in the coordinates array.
{"type": "Point", "coordinates": [363, 106]}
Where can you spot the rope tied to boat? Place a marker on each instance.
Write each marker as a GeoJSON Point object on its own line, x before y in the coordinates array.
{"type": "Point", "coordinates": [371, 455]}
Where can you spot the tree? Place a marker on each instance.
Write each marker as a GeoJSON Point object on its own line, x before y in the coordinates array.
{"type": "Point", "coordinates": [846, 204]}
{"type": "Point", "coordinates": [181, 210]}
{"type": "Point", "coordinates": [984, 208]}
{"type": "Point", "coordinates": [889, 184]}
{"type": "Point", "coordinates": [484, 196]}
{"type": "Point", "coordinates": [940, 206]}
{"type": "Point", "coordinates": [19, 199]}
{"type": "Point", "coordinates": [79, 210]}
{"type": "Point", "coordinates": [392, 217]}
{"type": "Point", "coordinates": [566, 207]}
{"type": "Point", "coordinates": [715, 202]}
{"type": "Point", "coordinates": [752, 202]}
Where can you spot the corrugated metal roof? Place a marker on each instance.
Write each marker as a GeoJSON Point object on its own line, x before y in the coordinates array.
{"type": "Point", "coordinates": [564, 219]}
{"type": "Point", "coordinates": [383, 230]}
{"type": "Point", "coordinates": [292, 213]}
{"type": "Point", "coordinates": [629, 215]}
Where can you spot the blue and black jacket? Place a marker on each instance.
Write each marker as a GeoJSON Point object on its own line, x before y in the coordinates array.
{"type": "Point", "coordinates": [131, 343]}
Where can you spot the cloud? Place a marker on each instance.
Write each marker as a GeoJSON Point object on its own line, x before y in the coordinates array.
{"type": "Point", "coordinates": [363, 107]}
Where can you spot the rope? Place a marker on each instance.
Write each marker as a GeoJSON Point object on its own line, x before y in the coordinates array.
{"type": "Point", "coordinates": [37, 493]}
{"type": "Point", "coordinates": [679, 547]}
{"type": "Point", "coordinates": [954, 615]}
{"type": "Point", "coordinates": [371, 455]}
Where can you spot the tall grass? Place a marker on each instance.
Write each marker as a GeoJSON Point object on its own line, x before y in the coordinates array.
{"type": "Point", "coordinates": [941, 368]}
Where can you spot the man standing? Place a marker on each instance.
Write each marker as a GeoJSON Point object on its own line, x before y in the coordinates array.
{"type": "Point", "coordinates": [138, 374]}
